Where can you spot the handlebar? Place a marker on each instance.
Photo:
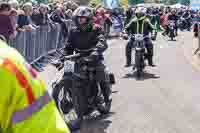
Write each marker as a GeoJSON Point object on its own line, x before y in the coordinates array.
{"type": "Point", "coordinates": [147, 36]}
{"type": "Point", "coordinates": [71, 56]}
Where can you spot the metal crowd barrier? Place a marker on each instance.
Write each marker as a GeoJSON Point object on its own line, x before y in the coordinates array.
{"type": "Point", "coordinates": [35, 44]}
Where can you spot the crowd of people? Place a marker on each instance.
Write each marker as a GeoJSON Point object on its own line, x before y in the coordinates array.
{"type": "Point", "coordinates": [28, 17]}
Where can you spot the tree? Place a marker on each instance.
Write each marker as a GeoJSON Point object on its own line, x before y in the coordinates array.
{"type": "Point", "coordinates": [170, 2]}
{"type": "Point", "coordinates": [185, 2]}
{"type": "Point", "coordinates": [134, 2]}
{"type": "Point", "coordinates": [94, 3]}
{"type": "Point", "coordinates": [124, 3]}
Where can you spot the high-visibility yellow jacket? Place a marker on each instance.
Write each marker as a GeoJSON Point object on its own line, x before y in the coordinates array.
{"type": "Point", "coordinates": [25, 105]}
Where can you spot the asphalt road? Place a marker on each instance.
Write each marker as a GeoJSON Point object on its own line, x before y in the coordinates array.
{"type": "Point", "coordinates": [166, 100]}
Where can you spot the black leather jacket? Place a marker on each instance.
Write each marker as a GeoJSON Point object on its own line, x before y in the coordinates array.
{"type": "Point", "coordinates": [83, 41]}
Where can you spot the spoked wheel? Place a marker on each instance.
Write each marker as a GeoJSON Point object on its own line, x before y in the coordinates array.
{"type": "Point", "coordinates": [64, 102]}
{"type": "Point", "coordinates": [62, 97]}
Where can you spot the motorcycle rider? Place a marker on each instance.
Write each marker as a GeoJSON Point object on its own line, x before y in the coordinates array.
{"type": "Point", "coordinates": [89, 39]}
{"type": "Point", "coordinates": [173, 17]}
{"type": "Point", "coordinates": [140, 24]}
{"type": "Point", "coordinates": [187, 16]}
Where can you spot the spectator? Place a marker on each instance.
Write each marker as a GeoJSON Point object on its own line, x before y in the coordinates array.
{"type": "Point", "coordinates": [162, 20]}
{"type": "Point", "coordinates": [70, 5]}
{"type": "Point", "coordinates": [41, 17]}
{"type": "Point", "coordinates": [14, 4]}
{"type": "Point", "coordinates": [13, 17]}
{"type": "Point", "coordinates": [68, 14]}
{"type": "Point", "coordinates": [6, 27]}
{"type": "Point", "coordinates": [58, 17]}
{"type": "Point", "coordinates": [24, 21]}
{"type": "Point", "coordinates": [51, 8]}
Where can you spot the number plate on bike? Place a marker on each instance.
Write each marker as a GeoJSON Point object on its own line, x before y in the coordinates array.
{"type": "Point", "coordinates": [139, 37]}
{"type": "Point", "coordinates": [69, 66]}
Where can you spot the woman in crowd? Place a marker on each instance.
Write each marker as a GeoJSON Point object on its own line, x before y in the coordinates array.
{"type": "Point", "coordinates": [40, 17]}
{"type": "Point", "coordinates": [24, 20]}
{"type": "Point", "coordinates": [6, 26]}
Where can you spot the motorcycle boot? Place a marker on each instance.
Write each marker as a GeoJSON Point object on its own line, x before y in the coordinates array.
{"type": "Point", "coordinates": [128, 54]}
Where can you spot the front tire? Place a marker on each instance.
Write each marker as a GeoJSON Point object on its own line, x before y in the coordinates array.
{"type": "Point", "coordinates": [139, 63]}
{"type": "Point", "coordinates": [79, 101]}
{"type": "Point", "coordinates": [172, 35]}
{"type": "Point", "coordinates": [62, 96]}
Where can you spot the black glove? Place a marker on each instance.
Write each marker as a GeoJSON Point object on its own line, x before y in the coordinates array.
{"type": "Point", "coordinates": [94, 57]}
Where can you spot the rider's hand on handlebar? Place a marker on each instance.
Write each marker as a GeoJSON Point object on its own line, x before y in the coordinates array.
{"type": "Point", "coordinates": [125, 36]}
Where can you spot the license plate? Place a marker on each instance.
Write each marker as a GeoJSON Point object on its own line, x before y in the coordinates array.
{"type": "Point", "coordinates": [69, 66]}
{"type": "Point", "coordinates": [138, 37]}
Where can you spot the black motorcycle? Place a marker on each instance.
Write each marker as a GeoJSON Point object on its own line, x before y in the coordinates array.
{"type": "Point", "coordinates": [78, 93]}
{"type": "Point", "coordinates": [140, 53]}
{"type": "Point", "coordinates": [171, 32]}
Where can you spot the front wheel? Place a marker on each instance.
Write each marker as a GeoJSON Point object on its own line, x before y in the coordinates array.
{"type": "Point", "coordinates": [62, 97]}
{"type": "Point", "coordinates": [139, 62]}
{"type": "Point", "coordinates": [172, 38]}
{"type": "Point", "coordinates": [79, 98]}
{"type": "Point", "coordinates": [139, 73]}
{"type": "Point", "coordinates": [172, 35]}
